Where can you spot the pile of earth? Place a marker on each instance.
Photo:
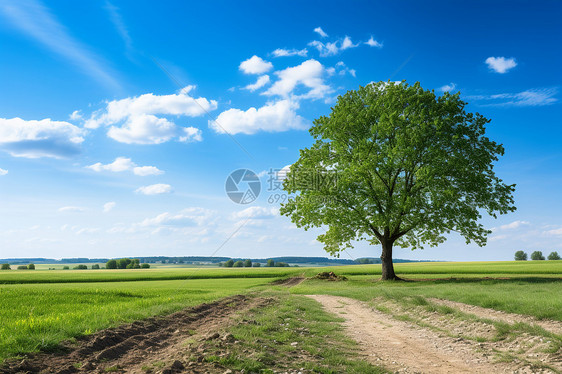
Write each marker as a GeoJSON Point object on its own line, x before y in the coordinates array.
{"type": "Point", "coordinates": [330, 276]}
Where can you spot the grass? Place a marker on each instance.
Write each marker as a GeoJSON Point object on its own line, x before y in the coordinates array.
{"type": "Point", "coordinates": [539, 297]}
{"type": "Point", "coordinates": [41, 308]}
{"type": "Point", "coordinates": [38, 316]}
{"type": "Point", "coordinates": [418, 270]}
{"type": "Point", "coordinates": [293, 333]}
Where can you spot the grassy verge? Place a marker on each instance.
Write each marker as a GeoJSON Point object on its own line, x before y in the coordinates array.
{"type": "Point", "coordinates": [292, 334]}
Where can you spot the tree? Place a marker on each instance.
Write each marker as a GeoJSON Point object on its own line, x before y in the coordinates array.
{"type": "Point", "coordinates": [537, 256]}
{"type": "Point", "coordinates": [123, 263]}
{"type": "Point", "coordinates": [256, 264]}
{"type": "Point", "coordinates": [393, 164]}
{"type": "Point", "coordinates": [6, 267]}
{"type": "Point", "coordinates": [111, 264]}
{"type": "Point", "coordinates": [520, 256]}
{"type": "Point", "coordinates": [270, 263]}
{"type": "Point", "coordinates": [31, 267]}
{"type": "Point", "coordinates": [238, 264]}
{"type": "Point", "coordinates": [145, 266]}
{"type": "Point", "coordinates": [229, 263]}
{"type": "Point", "coordinates": [80, 267]}
{"type": "Point", "coordinates": [95, 266]}
{"type": "Point", "coordinates": [553, 256]}
{"type": "Point", "coordinates": [248, 263]}
{"type": "Point", "coordinates": [65, 267]}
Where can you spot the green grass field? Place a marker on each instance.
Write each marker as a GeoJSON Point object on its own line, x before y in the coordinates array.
{"type": "Point", "coordinates": [42, 307]}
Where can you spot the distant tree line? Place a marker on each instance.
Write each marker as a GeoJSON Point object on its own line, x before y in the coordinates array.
{"type": "Point", "coordinates": [126, 263]}
{"type": "Point", "coordinates": [230, 263]}
{"type": "Point", "coordinates": [20, 267]}
{"type": "Point", "coordinates": [536, 256]}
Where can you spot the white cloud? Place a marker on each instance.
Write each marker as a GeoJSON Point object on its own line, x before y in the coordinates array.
{"type": "Point", "coordinates": [71, 209]}
{"type": "Point", "coordinates": [190, 134]}
{"type": "Point", "coordinates": [76, 115]}
{"type": "Point", "coordinates": [262, 81]}
{"type": "Point", "coordinates": [333, 48]}
{"type": "Point", "coordinates": [272, 117]}
{"type": "Point", "coordinates": [43, 138]}
{"type": "Point", "coordinates": [124, 164]}
{"type": "Point", "coordinates": [501, 64]}
{"type": "Point", "coordinates": [143, 171]}
{"type": "Point", "coordinates": [135, 121]}
{"type": "Point", "coordinates": [514, 225]}
{"type": "Point", "coordinates": [280, 52]}
{"type": "Point", "coordinates": [308, 74]}
{"type": "Point", "coordinates": [35, 20]}
{"type": "Point", "coordinates": [448, 87]}
{"type": "Point", "coordinates": [347, 43]}
{"type": "Point", "coordinates": [532, 97]}
{"type": "Point", "coordinates": [373, 43]}
{"type": "Point", "coordinates": [144, 129]}
{"type": "Point", "coordinates": [256, 212]}
{"type": "Point", "coordinates": [320, 32]}
{"type": "Point", "coordinates": [186, 217]}
{"type": "Point", "coordinates": [554, 232]}
{"type": "Point", "coordinates": [154, 189]}
{"type": "Point", "coordinates": [328, 49]}
{"type": "Point", "coordinates": [107, 207]}
{"type": "Point", "coordinates": [255, 65]}
{"type": "Point", "coordinates": [3, 171]}
{"type": "Point", "coordinates": [180, 104]}
{"type": "Point", "coordinates": [341, 69]}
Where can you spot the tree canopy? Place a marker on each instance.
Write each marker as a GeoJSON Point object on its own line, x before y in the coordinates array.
{"type": "Point", "coordinates": [396, 164]}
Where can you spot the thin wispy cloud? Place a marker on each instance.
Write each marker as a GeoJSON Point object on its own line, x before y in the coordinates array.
{"type": "Point", "coordinates": [531, 97]}
{"type": "Point", "coordinates": [36, 21]}
{"type": "Point", "coordinates": [117, 20]}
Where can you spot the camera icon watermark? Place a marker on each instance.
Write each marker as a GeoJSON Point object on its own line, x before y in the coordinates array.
{"type": "Point", "coordinates": [243, 186]}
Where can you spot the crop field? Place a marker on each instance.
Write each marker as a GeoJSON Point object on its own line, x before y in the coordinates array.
{"type": "Point", "coordinates": [42, 308]}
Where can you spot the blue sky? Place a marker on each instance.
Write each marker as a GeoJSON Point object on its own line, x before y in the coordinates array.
{"type": "Point", "coordinates": [121, 121]}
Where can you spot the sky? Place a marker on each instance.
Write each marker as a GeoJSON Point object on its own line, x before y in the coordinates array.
{"type": "Point", "coordinates": [121, 122]}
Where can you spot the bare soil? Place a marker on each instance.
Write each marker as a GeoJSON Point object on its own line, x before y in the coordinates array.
{"type": "Point", "coordinates": [159, 344]}
{"type": "Point", "coordinates": [412, 339]}
{"type": "Point", "coordinates": [288, 282]}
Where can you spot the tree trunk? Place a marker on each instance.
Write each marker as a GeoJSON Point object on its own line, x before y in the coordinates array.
{"type": "Point", "coordinates": [386, 259]}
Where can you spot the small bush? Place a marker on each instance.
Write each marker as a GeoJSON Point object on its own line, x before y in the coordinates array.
{"type": "Point", "coordinates": [229, 263]}
{"type": "Point", "coordinates": [22, 267]}
{"type": "Point", "coordinates": [31, 267]}
{"type": "Point", "coordinates": [65, 268]}
{"type": "Point", "coordinates": [95, 267]}
{"type": "Point", "coordinates": [145, 266]}
{"type": "Point", "coordinates": [553, 256]}
{"type": "Point", "coordinates": [80, 267]}
{"type": "Point", "coordinates": [6, 267]}
{"type": "Point", "coordinates": [256, 264]}
{"type": "Point", "coordinates": [520, 256]}
{"type": "Point", "coordinates": [537, 256]}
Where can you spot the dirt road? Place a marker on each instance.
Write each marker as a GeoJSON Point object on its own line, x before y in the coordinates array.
{"type": "Point", "coordinates": [430, 346]}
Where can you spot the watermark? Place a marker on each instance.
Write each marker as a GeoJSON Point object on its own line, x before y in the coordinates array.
{"type": "Point", "coordinates": [243, 186]}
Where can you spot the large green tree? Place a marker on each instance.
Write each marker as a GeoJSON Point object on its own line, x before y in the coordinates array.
{"type": "Point", "coordinates": [394, 164]}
